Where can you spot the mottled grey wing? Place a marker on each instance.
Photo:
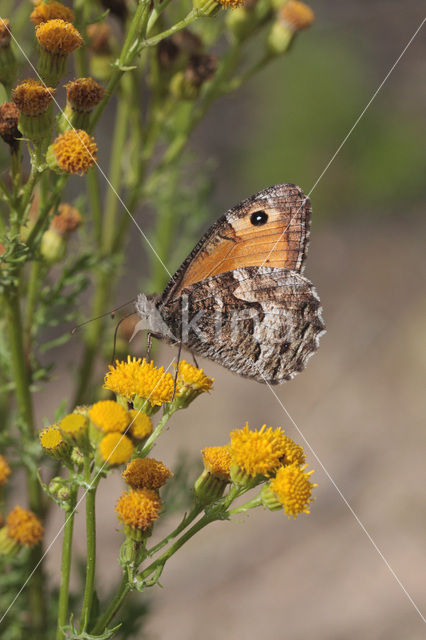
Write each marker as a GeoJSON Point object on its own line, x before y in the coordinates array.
{"type": "Point", "coordinates": [260, 322]}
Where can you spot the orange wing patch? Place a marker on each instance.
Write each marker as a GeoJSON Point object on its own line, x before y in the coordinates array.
{"type": "Point", "coordinates": [278, 243]}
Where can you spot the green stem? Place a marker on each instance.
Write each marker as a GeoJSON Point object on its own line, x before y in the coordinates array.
{"type": "Point", "coordinates": [95, 331]}
{"type": "Point", "coordinates": [115, 174]}
{"type": "Point", "coordinates": [32, 295]}
{"type": "Point", "coordinates": [192, 16]}
{"type": "Point", "coordinates": [93, 337]}
{"type": "Point", "coordinates": [66, 566]}
{"type": "Point", "coordinates": [149, 443]}
{"type": "Point", "coordinates": [251, 504]}
{"type": "Point", "coordinates": [161, 561]}
{"type": "Point", "coordinates": [129, 51]}
{"type": "Point", "coordinates": [237, 82]}
{"type": "Point", "coordinates": [90, 545]}
{"type": "Point", "coordinates": [95, 201]}
{"type": "Point", "coordinates": [46, 209]}
{"type": "Point", "coordinates": [25, 410]}
{"type": "Point", "coordinates": [114, 606]}
{"type": "Point", "coordinates": [190, 517]}
{"type": "Point", "coordinates": [80, 10]}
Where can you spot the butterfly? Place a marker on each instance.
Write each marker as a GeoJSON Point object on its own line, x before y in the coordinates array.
{"type": "Point", "coordinates": [240, 298]}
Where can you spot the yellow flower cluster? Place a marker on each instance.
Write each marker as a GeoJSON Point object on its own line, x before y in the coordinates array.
{"type": "Point", "coordinates": [117, 425]}
{"type": "Point", "coordinates": [217, 461]}
{"type": "Point", "coordinates": [116, 448]}
{"type": "Point", "coordinates": [258, 452]}
{"type": "Point", "coordinates": [293, 489]}
{"type": "Point", "coordinates": [146, 473]}
{"type": "Point", "coordinates": [73, 152]}
{"type": "Point", "coordinates": [24, 527]}
{"type": "Point", "coordinates": [265, 454]}
{"type": "Point", "coordinates": [138, 510]}
{"type": "Point", "coordinates": [138, 378]}
{"type": "Point", "coordinates": [58, 37]}
{"type": "Point", "coordinates": [109, 416]}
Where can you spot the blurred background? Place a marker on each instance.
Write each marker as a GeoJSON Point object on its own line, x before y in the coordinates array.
{"type": "Point", "coordinates": [359, 405]}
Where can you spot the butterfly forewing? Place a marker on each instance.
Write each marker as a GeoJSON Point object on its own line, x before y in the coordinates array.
{"type": "Point", "coordinates": [270, 228]}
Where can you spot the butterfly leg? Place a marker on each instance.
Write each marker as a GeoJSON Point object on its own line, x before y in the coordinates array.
{"type": "Point", "coordinates": [177, 370]}
{"type": "Point", "coordinates": [195, 360]}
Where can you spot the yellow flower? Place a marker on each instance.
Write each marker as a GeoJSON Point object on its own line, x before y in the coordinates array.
{"type": "Point", "coordinates": [109, 416]}
{"type": "Point", "coordinates": [140, 424]}
{"type": "Point", "coordinates": [191, 382]}
{"type": "Point", "coordinates": [257, 452]}
{"type": "Point", "coordinates": [53, 443]}
{"type": "Point", "coordinates": [217, 460]}
{"type": "Point", "coordinates": [44, 12]}
{"type": "Point", "coordinates": [293, 489]}
{"type": "Point", "coordinates": [73, 425]}
{"type": "Point", "coordinates": [24, 527]}
{"type": "Point", "coordinates": [138, 510]}
{"type": "Point", "coordinates": [84, 94]}
{"type": "Point", "coordinates": [216, 474]}
{"type": "Point", "coordinates": [146, 473]}
{"type": "Point", "coordinates": [51, 438]}
{"type": "Point", "coordinates": [73, 152]}
{"type": "Point", "coordinates": [115, 448]}
{"type": "Point", "coordinates": [58, 37]}
{"type": "Point", "coordinates": [5, 470]}
{"type": "Point", "coordinates": [67, 219]}
{"type": "Point", "coordinates": [296, 15]}
{"type": "Point", "coordinates": [137, 378]}
{"type": "Point", "coordinates": [293, 452]}
{"type": "Point", "coordinates": [32, 98]}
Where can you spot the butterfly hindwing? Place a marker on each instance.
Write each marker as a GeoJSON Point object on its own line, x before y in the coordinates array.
{"type": "Point", "coordinates": [260, 322]}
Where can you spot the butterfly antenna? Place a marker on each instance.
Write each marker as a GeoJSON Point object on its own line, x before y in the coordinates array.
{"type": "Point", "coordinates": [108, 313]}
{"type": "Point", "coordinates": [116, 334]}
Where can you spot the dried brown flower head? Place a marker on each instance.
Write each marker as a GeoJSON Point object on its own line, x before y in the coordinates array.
{"type": "Point", "coordinates": [201, 68]}
{"type": "Point", "coordinates": [68, 219]}
{"type": "Point", "coordinates": [32, 97]}
{"type": "Point", "coordinates": [9, 114]}
{"type": "Point", "coordinates": [44, 12]}
{"type": "Point", "coordinates": [84, 94]}
{"type": "Point", "coordinates": [100, 37]}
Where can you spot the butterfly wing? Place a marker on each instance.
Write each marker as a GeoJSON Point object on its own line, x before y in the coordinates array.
{"type": "Point", "coordinates": [260, 322]}
{"type": "Point", "coordinates": [270, 229]}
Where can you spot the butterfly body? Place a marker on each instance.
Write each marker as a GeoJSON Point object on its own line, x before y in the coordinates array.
{"type": "Point", "coordinates": [239, 298]}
